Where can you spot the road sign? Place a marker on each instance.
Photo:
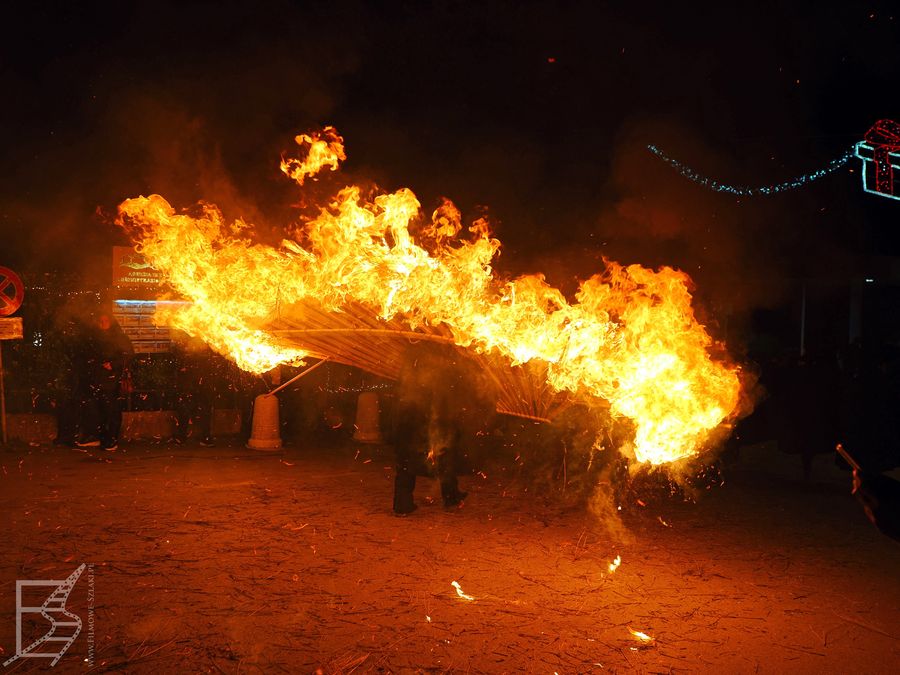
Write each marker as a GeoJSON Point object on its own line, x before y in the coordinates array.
{"type": "Point", "coordinates": [12, 291]}
{"type": "Point", "coordinates": [11, 328]}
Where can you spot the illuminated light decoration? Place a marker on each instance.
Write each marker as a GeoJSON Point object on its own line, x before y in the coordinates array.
{"type": "Point", "coordinates": [880, 154]}
{"type": "Point", "coordinates": [740, 191]}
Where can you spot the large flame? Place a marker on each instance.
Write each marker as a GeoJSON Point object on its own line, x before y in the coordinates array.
{"type": "Point", "coordinates": [629, 337]}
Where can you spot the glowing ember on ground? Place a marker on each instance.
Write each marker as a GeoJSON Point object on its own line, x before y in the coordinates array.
{"type": "Point", "coordinates": [628, 342]}
{"type": "Point", "coordinates": [614, 565]}
{"type": "Point", "coordinates": [643, 637]}
{"type": "Point", "coordinates": [460, 593]}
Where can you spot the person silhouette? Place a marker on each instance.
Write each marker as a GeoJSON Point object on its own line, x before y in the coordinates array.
{"type": "Point", "coordinates": [102, 367]}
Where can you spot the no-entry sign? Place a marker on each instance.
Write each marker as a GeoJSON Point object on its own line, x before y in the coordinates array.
{"type": "Point", "coordinates": [12, 291]}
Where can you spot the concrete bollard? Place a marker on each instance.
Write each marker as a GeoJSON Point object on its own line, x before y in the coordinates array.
{"type": "Point", "coordinates": [265, 433]}
{"type": "Point", "coordinates": [368, 419]}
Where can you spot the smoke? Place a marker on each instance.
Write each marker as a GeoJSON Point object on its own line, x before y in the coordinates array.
{"type": "Point", "coordinates": [729, 247]}
{"type": "Point", "coordinates": [186, 112]}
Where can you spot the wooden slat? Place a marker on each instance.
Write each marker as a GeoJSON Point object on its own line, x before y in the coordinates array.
{"type": "Point", "coordinates": [357, 336]}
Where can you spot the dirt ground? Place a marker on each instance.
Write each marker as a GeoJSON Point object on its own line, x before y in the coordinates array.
{"type": "Point", "coordinates": [231, 560]}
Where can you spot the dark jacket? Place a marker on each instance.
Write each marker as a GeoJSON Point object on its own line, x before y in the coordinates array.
{"type": "Point", "coordinates": [105, 357]}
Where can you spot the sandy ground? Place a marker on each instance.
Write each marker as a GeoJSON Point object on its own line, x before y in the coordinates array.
{"type": "Point", "coordinates": [230, 560]}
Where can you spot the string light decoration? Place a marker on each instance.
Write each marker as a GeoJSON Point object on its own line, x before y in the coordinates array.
{"type": "Point", "coordinates": [879, 151]}
{"type": "Point", "coordinates": [741, 191]}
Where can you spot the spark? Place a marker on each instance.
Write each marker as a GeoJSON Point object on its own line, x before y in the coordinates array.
{"type": "Point", "coordinates": [640, 635]}
{"type": "Point", "coordinates": [614, 565]}
{"type": "Point", "coordinates": [459, 592]}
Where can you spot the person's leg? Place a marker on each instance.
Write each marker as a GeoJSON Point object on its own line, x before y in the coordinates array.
{"type": "Point", "coordinates": [246, 402]}
{"type": "Point", "coordinates": [445, 465]}
{"type": "Point", "coordinates": [66, 419]}
{"type": "Point", "coordinates": [409, 438]}
{"type": "Point", "coordinates": [183, 412]}
{"type": "Point", "coordinates": [90, 417]}
{"type": "Point", "coordinates": [405, 480]}
{"type": "Point", "coordinates": [445, 462]}
{"type": "Point", "coordinates": [114, 419]}
{"type": "Point", "coordinates": [104, 408]}
{"type": "Point", "coordinates": [404, 485]}
{"type": "Point", "coordinates": [110, 413]}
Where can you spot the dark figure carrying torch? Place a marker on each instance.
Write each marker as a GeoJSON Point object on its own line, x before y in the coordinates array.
{"type": "Point", "coordinates": [878, 494]}
{"type": "Point", "coordinates": [441, 400]}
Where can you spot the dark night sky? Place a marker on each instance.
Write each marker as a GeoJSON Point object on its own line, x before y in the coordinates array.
{"type": "Point", "coordinates": [539, 112]}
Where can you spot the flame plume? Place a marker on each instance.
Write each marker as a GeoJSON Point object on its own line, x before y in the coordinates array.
{"type": "Point", "coordinates": [323, 149]}
{"type": "Point", "coordinates": [629, 340]}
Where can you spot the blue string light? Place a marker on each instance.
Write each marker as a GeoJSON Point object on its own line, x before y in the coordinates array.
{"type": "Point", "coordinates": [707, 182]}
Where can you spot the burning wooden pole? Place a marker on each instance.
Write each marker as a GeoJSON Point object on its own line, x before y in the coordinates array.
{"type": "Point", "coordinates": [264, 429]}
{"type": "Point", "coordinates": [297, 377]}
{"type": "Point", "coordinates": [847, 458]}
